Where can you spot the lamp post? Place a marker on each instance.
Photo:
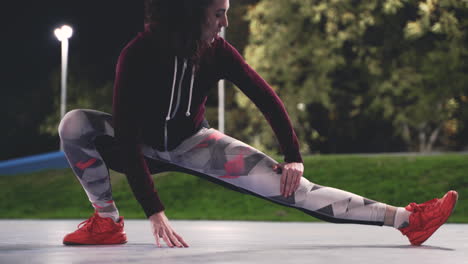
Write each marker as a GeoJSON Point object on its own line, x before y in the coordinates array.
{"type": "Point", "coordinates": [221, 96]}
{"type": "Point", "coordinates": [63, 34]}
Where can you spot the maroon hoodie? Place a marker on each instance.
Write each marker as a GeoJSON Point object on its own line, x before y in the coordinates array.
{"type": "Point", "coordinates": [159, 100]}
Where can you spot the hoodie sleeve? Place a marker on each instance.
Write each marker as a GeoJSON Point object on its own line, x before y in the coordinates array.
{"type": "Point", "coordinates": [127, 119]}
{"type": "Point", "coordinates": [235, 69]}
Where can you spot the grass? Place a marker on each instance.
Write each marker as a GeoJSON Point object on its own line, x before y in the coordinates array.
{"type": "Point", "coordinates": [395, 180]}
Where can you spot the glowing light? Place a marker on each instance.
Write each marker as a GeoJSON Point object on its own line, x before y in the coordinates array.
{"type": "Point", "coordinates": [63, 33]}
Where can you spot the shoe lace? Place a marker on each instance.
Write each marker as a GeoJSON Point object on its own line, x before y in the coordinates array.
{"type": "Point", "coordinates": [89, 224]}
{"type": "Point", "coordinates": [422, 207]}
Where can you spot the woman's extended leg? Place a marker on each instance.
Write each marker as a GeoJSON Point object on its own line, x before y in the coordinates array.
{"type": "Point", "coordinates": [222, 159]}
{"type": "Point", "coordinates": [232, 162]}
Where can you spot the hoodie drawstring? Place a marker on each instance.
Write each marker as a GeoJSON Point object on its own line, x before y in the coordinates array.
{"type": "Point", "coordinates": [190, 93]}
{"type": "Point", "coordinates": [174, 80]}
{"type": "Point", "coordinates": [180, 89]}
{"type": "Point", "coordinates": [168, 117]}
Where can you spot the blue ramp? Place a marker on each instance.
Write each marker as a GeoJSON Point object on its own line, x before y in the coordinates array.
{"type": "Point", "coordinates": [52, 160]}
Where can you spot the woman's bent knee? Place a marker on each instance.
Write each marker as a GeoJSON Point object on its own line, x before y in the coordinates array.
{"type": "Point", "coordinates": [72, 124]}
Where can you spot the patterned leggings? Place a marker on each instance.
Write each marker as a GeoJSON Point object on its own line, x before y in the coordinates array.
{"type": "Point", "coordinates": [88, 142]}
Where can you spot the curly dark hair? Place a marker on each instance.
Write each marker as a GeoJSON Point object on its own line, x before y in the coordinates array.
{"type": "Point", "coordinates": [182, 22]}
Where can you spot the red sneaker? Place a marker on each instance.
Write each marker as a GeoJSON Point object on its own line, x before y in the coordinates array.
{"type": "Point", "coordinates": [97, 231]}
{"type": "Point", "coordinates": [427, 217]}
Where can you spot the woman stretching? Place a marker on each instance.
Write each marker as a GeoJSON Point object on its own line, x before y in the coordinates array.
{"type": "Point", "coordinates": [158, 124]}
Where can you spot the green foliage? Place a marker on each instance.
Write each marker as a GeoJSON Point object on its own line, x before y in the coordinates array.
{"type": "Point", "coordinates": [395, 180]}
{"type": "Point", "coordinates": [82, 93]}
{"type": "Point", "coordinates": [403, 61]}
{"type": "Point", "coordinates": [346, 70]}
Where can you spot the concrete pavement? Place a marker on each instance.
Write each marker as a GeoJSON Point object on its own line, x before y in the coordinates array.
{"type": "Point", "coordinates": [40, 241]}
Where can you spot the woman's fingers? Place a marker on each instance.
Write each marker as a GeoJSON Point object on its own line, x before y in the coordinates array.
{"type": "Point", "coordinates": [181, 240]}
{"type": "Point", "coordinates": [162, 229]}
{"type": "Point", "coordinates": [166, 239]}
{"type": "Point", "coordinates": [174, 240]}
{"type": "Point", "coordinates": [290, 178]}
{"type": "Point", "coordinates": [156, 235]}
{"type": "Point", "coordinates": [289, 181]}
{"type": "Point", "coordinates": [283, 183]}
{"type": "Point", "coordinates": [298, 181]}
{"type": "Point", "coordinates": [285, 180]}
{"type": "Point", "coordinates": [170, 237]}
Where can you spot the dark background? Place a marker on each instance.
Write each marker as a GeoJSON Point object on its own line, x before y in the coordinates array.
{"type": "Point", "coordinates": [30, 80]}
{"type": "Point", "coordinates": [31, 52]}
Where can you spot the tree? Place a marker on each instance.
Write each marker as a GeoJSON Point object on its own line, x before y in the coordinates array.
{"type": "Point", "coordinates": [82, 92]}
{"type": "Point", "coordinates": [401, 62]}
{"type": "Point", "coordinates": [435, 62]}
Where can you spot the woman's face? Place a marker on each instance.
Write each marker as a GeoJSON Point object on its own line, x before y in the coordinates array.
{"type": "Point", "coordinates": [216, 18]}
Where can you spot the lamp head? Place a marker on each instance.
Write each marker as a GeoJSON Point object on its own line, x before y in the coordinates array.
{"type": "Point", "coordinates": [63, 33]}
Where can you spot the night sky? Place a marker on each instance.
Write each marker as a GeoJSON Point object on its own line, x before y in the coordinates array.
{"type": "Point", "coordinates": [31, 53]}
{"type": "Point", "coordinates": [101, 29]}
{"type": "Point", "coordinates": [31, 56]}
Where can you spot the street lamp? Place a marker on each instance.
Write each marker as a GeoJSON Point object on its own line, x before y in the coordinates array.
{"type": "Point", "coordinates": [63, 34]}
{"type": "Point", "coordinates": [221, 96]}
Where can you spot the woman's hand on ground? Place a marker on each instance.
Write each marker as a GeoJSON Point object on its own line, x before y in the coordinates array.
{"type": "Point", "coordinates": [162, 229]}
{"type": "Point", "coordinates": [291, 174]}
